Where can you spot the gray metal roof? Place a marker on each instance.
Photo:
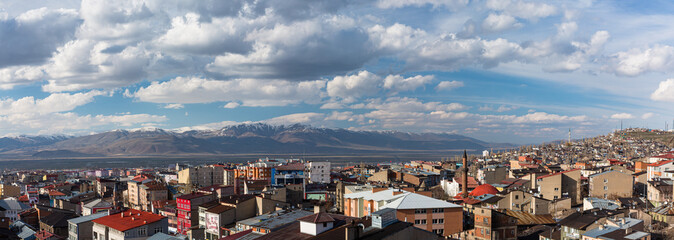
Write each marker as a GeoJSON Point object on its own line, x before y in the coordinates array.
{"type": "Point", "coordinates": [87, 218]}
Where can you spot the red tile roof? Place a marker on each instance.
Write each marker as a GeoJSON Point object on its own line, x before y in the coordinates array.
{"type": "Point", "coordinates": [668, 155]}
{"type": "Point", "coordinates": [483, 189]}
{"type": "Point", "coordinates": [128, 220]}
{"type": "Point", "coordinates": [56, 193]}
{"type": "Point", "coordinates": [659, 163]}
{"type": "Point", "coordinates": [554, 174]}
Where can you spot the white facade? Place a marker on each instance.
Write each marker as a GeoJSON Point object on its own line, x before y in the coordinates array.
{"type": "Point", "coordinates": [452, 188]}
{"type": "Point", "coordinates": [319, 172]}
{"type": "Point", "coordinates": [659, 171]}
{"type": "Point", "coordinates": [314, 228]}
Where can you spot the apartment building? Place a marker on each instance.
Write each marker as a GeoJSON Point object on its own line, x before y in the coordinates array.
{"type": "Point", "coordinates": [560, 185]}
{"type": "Point", "coordinates": [319, 172]}
{"type": "Point", "coordinates": [188, 206]}
{"type": "Point", "coordinates": [202, 176]}
{"type": "Point", "coordinates": [493, 224]}
{"type": "Point", "coordinates": [131, 224]}
{"type": "Point", "coordinates": [430, 214]}
{"type": "Point", "coordinates": [611, 185]}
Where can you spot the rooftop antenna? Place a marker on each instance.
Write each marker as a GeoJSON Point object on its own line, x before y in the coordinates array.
{"type": "Point", "coordinates": [569, 135]}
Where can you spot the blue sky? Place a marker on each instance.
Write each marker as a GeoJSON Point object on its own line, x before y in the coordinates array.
{"type": "Point", "coordinates": [503, 71]}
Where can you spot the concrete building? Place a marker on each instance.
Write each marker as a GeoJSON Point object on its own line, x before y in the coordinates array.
{"type": "Point", "coordinates": [7, 190]}
{"type": "Point", "coordinates": [319, 172]}
{"type": "Point", "coordinates": [560, 185]}
{"type": "Point", "coordinates": [188, 206]}
{"type": "Point", "coordinates": [363, 203]}
{"type": "Point", "coordinates": [492, 174]}
{"type": "Point", "coordinates": [202, 176]}
{"type": "Point", "coordinates": [82, 227]}
{"type": "Point", "coordinates": [611, 185]}
{"type": "Point", "coordinates": [131, 224]}
{"type": "Point", "coordinates": [493, 224]}
{"type": "Point", "coordinates": [433, 215]}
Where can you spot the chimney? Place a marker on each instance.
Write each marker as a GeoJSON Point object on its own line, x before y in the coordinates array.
{"type": "Point", "coordinates": [464, 177]}
{"type": "Point", "coordinates": [319, 209]}
{"type": "Point", "coordinates": [352, 231]}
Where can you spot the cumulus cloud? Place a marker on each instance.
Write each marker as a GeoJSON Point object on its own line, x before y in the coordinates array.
{"type": "Point", "coordinates": [250, 92]}
{"type": "Point", "coordinates": [174, 106]}
{"type": "Point", "coordinates": [647, 115]}
{"type": "Point", "coordinates": [398, 83]}
{"type": "Point", "coordinates": [659, 58]}
{"type": "Point", "coordinates": [300, 50]}
{"type": "Point", "coordinates": [522, 9]}
{"type": "Point", "coordinates": [406, 104]}
{"type": "Point", "coordinates": [190, 34]}
{"type": "Point", "coordinates": [448, 85]}
{"type": "Point", "coordinates": [231, 105]}
{"type": "Point", "coordinates": [354, 86]}
{"type": "Point", "coordinates": [56, 102]}
{"type": "Point", "coordinates": [665, 91]}
{"type": "Point", "coordinates": [31, 37]}
{"type": "Point", "coordinates": [499, 22]}
{"type": "Point", "coordinates": [622, 116]}
{"type": "Point", "coordinates": [451, 4]}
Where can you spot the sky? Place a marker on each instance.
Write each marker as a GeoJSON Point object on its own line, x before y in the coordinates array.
{"type": "Point", "coordinates": [513, 71]}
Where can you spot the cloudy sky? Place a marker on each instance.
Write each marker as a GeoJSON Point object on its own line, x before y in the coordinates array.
{"type": "Point", "coordinates": [500, 70]}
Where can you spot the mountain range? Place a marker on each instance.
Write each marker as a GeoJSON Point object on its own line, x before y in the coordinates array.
{"type": "Point", "coordinates": [237, 139]}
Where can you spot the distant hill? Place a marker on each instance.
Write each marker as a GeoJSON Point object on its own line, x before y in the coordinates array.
{"type": "Point", "coordinates": [245, 138]}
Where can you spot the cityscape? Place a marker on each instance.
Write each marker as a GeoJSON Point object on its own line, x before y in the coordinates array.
{"type": "Point", "coordinates": [336, 119]}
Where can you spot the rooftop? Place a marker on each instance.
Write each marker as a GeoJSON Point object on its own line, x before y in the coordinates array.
{"type": "Point", "coordinates": [418, 201]}
{"type": "Point", "coordinates": [128, 220]}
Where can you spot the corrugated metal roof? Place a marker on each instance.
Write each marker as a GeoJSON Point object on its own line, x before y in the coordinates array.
{"type": "Point", "coordinates": [524, 218]}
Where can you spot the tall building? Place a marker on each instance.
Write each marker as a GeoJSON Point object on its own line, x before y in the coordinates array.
{"type": "Point", "coordinates": [202, 176]}
{"type": "Point", "coordinates": [493, 224]}
{"type": "Point", "coordinates": [319, 172]}
{"type": "Point", "coordinates": [188, 210]}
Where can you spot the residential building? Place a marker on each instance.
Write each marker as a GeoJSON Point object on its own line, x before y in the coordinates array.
{"type": "Point", "coordinates": [188, 206]}
{"type": "Point", "coordinates": [7, 190]}
{"type": "Point", "coordinates": [428, 213]}
{"type": "Point", "coordinates": [202, 176]}
{"type": "Point", "coordinates": [96, 206]}
{"type": "Point", "coordinates": [11, 208]}
{"type": "Point", "coordinates": [658, 169]}
{"type": "Point", "coordinates": [361, 204]}
{"type": "Point", "coordinates": [611, 185]}
{"type": "Point", "coordinates": [319, 172]}
{"type": "Point", "coordinates": [560, 185]}
{"type": "Point", "coordinates": [493, 224]}
{"type": "Point", "coordinates": [130, 224]}
{"type": "Point", "coordinates": [82, 227]}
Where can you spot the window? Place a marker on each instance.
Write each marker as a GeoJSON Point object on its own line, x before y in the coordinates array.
{"type": "Point", "coordinates": [605, 187]}
{"type": "Point", "coordinates": [556, 189]}
{"type": "Point", "coordinates": [438, 210]}
{"type": "Point", "coordinates": [157, 229]}
{"type": "Point", "coordinates": [325, 224]}
{"type": "Point", "coordinates": [95, 235]}
{"type": "Point", "coordinates": [485, 220]}
{"type": "Point", "coordinates": [487, 231]}
{"type": "Point", "coordinates": [435, 221]}
{"type": "Point", "coordinates": [517, 197]}
{"type": "Point", "coordinates": [420, 211]}
{"type": "Point", "coordinates": [605, 180]}
{"type": "Point", "coordinates": [423, 221]}
{"type": "Point", "coordinates": [417, 221]}
{"type": "Point", "coordinates": [142, 232]}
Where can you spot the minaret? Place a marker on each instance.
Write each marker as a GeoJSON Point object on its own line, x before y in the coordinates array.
{"type": "Point", "coordinates": [464, 177]}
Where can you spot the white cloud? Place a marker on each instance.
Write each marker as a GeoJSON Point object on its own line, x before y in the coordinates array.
{"type": "Point", "coordinates": [659, 58]}
{"type": "Point", "coordinates": [304, 118]}
{"type": "Point", "coordinates": [189, 34]}
{"type": "Point", "coordinates": [522, 9]}
{"type": "Point", "coordinates": [647, 115]}
{"type": "Point", "coordinates": [31, 37]}
{"type": "Point", "coordinates": [448, 85]}
{"type": "Point", "coordinates": [499, 22]}
{"type": "Point", "coordinates": [69, 122]}
{"type": "Point", "coordinates": [504, 108]}
{"type": "Point", "coordinates": [622, 116]}
{"type": "Point", "coordinates": [665, 91]}
{"type": "Point", "coordinates": [174, 106]}
{"type": "Point", "coordinates": [232, 105]}
{"type": "Point", "coordinates": [12, 76]}
{"type": "Point", "coordinates": [451, 4]}
{"type": "Point", "coordinates": [354, 86]}
{"type": "Point", "coordinates": [399, 84]}
{"type": "Point", "coordinates": [250, 92]}
{"type": "Point", "coordinates": [405, 104]}
{"type": "Point", "coordinates": [56, 102]}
